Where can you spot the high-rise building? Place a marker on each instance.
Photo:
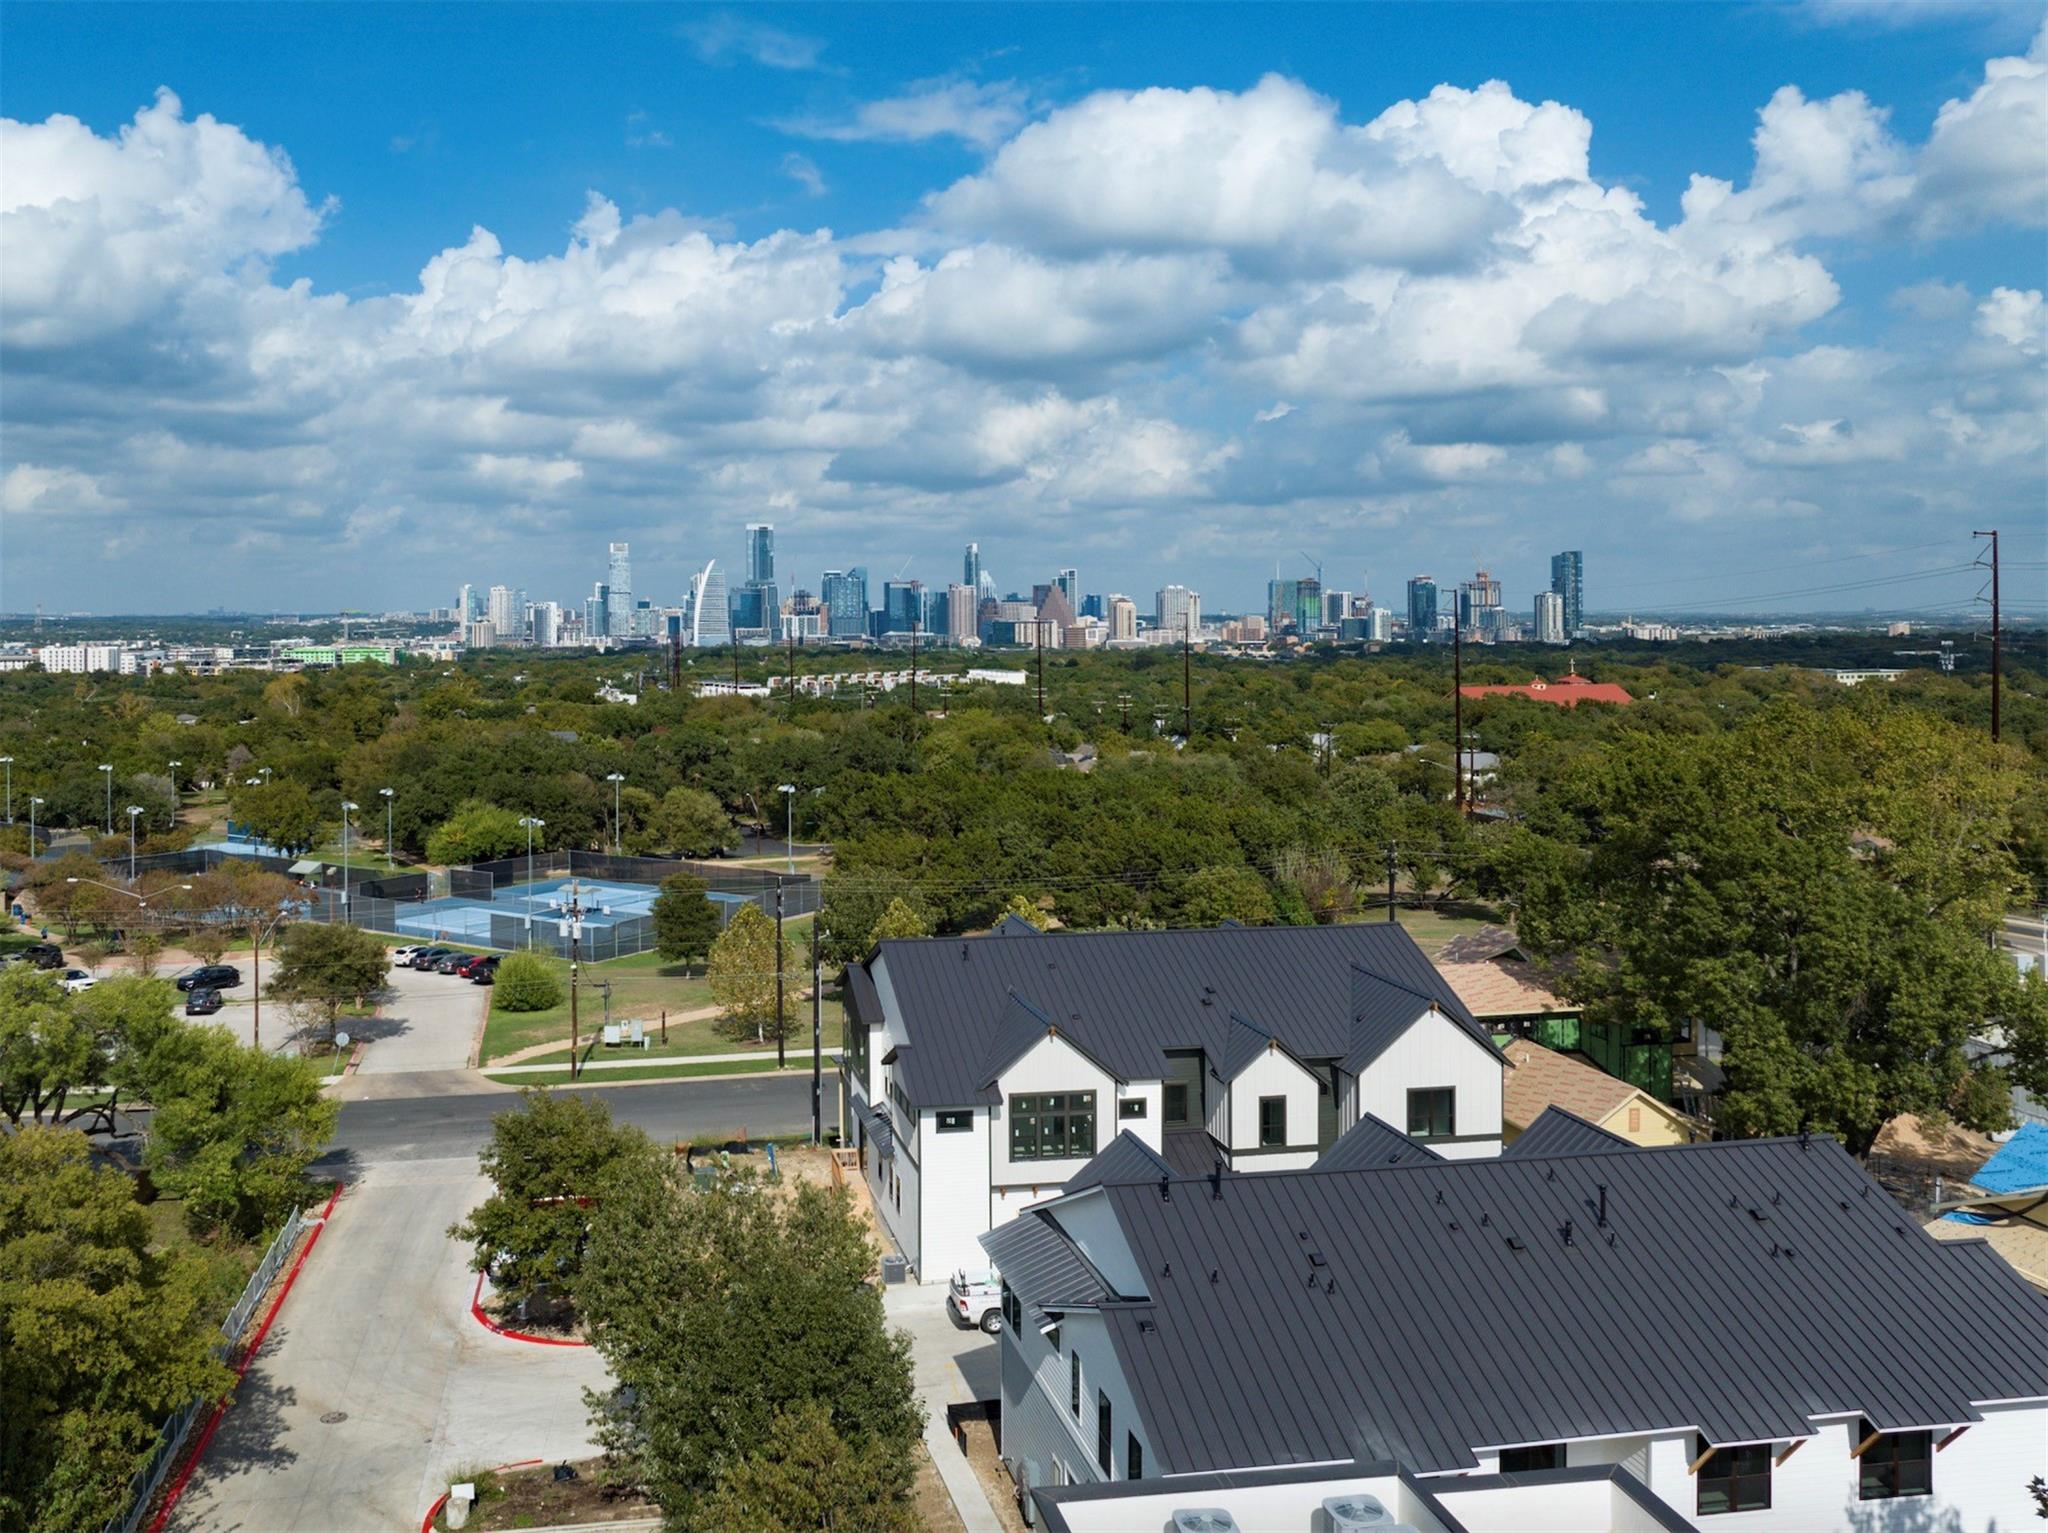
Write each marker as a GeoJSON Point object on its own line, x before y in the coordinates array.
{"type": "Point", "coordinates": [970, 567]}
{"type": "Point", "coordinates": [1379, 624]}
{"type": "Point", "coordinates": [1123, 617]}
{"type": "Point", "coordinates": [1568, 580]}
{"type": "Point", "coordinates": [1421, 609]}
{"type": "Point", "coordinates": [1336, 607]}
{"type": "Point", "coordinates": [710, 622]}
{"type": "Point", "coordinates": [844, 594]}
{"type": "Point", "coordinates": [469, 604]}
{"type": "Point", "coordinates": [760, 553]}
{"type": "Point", "coordinates": [961, 604]}
{"type": "Point", "coordinates": [1091, 605]}
{"type": "Point", "coordinates": [547, 624]}
{"type": "Point", "coordinates": [902, 605]}
{"type": "Point", "coordinates": [1295, 605]}
{"type": "Point", "coordinates": [1549, 616]}
{"type": "Point", "coordinates": [619, 592]}
{"type": "Point", "coordinates": [481, 635]}
{"type": "Point", "coordinates": [1178, 610]}
{"type": "Point", "coordinates": [499, 610]}
{"type": "Point", "coordinates": [1069, 582]}
{"type": "Point", "coordinates": [597, 611]}
{"type": "Point", "coordinates": [1479, 607]}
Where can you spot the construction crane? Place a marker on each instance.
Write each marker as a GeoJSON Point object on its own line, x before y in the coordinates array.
{"type": "Point", "coordinates": [1312, 559]}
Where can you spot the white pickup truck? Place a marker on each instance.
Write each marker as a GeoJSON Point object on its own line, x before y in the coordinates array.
{"type": "Point", "coordinates": [976, 1298]}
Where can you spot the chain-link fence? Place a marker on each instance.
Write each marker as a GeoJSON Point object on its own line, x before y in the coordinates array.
{"type": "Point", "coordinates": [171, 1439]}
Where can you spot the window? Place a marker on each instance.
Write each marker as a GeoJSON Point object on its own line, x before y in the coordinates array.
{"type": "Point", "coordinates": [1104, 1456]}
{"type": "Point", "coordinates": [1635, 1119]}
{"type": "Point", "coordinates": [955, 1121]}
{"type": "Point", "coordinates": [1272, 1122]}
{"type": "Point", "coordinates": [1176, 1104]}
{"type": "Point", "coordinates": [1433, 1113]}
{"type": "Point", "coordinates": [1897, 1464]}
{"type": "Point", "coordinates": [1134, 1458]}
{"type": "Point", "coordinates": [1058, 1126]}
{"type": "Point", "coordinates": [1131, 1107]}
{"type": "Point", "coordinates": [1074, 1384]}
{"type": "Point", "coordinates": [1734, 1479]}
{"type": "Point", "coordinates": [1530, 1460]}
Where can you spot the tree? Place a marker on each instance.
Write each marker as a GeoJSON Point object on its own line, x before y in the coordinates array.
{"type": "Point", "coordinates": [899, 920]}
{"type": "Point", "coordinates": [854, 903]}
{"type": "Point", "coordinates": [46, 1046]}
{"type": "Point", "coordinates": [803, 1476]}
{"type": "Point", "coordinates": [477, 832]}
{"type": "Point", "coordinates": [280, 812]}
{"type": "Point", "coordinates": [549, 1161]}
{"type": "Point", "coordinates": [1025, 909]}
{"type": "Point", "coordinates": [685, 920]}
{"type": "Point", "coordinates": [766, 1306]}
{"type": "Point", "coordinates": [208, 944]}
{"type": "Point", "coordinates": [1819, 887]}
{"type": "Point", "coordinates": [321, 968]}
{"type": "Point", "coordinates": [1215, 895]}
{"type": "Point", "coordinates": [526, 981]}
{"type": "Point", "coordinates": [103, 1337]}
{"type": "Point", "coordinates": [742, 972]}
{"type": "Point", "coordinates": [692, 823]}
{"type": "Point", "coordinates": [62, 893]}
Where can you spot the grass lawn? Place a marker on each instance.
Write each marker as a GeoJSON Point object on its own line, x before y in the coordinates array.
{"type": "Point", "coordinates": [1431, 929]}
{"type": "Point", "coordinates": [655, 1072]}
{"type": "Point", "coordinates": [369, 859]}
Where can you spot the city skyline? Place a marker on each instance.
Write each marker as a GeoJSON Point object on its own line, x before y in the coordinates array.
{"type": "Point", "coordinates": [1462, 296]}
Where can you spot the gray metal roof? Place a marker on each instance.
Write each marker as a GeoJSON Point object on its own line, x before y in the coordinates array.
{"type": "Point", "coordinates": [1372, 1142]}
{"type": "Point", "coordinates": [1450, 1312]}
{"type": "Point", "coordinates": [1192, 1151]}
{"type": "Point", "coordinates": [1123, 997]}
{"type": "Point", "coordinates": [1558, 1132]}
{"type": "Point", "coordinates": [1243, 1043]}
{"type": "Point", "coordinates": [1126, 1158]}
{"type": "Point", "coordinates": [1042, 1265]}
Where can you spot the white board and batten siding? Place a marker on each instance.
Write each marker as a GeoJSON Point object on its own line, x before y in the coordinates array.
{"type": "Point", "coordinates": [1435, 1051]}
{"type": "Point", "coordinates": [1275, 1073]}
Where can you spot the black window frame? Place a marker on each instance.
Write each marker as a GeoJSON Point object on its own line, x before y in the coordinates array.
{"type": "Point", "coordinates": [1130, 1107]}
{"type": "Point", "coordinates": [1736, 1474]}
{"type": "Point", "coordinates": [1052, 1125]}
{"type": "Point", "coordinates": [1275, 1136]}
{"type": "Point", "coordinates": [1074, 1382]}
{"type": "Point", "coordinates": [1105, 1437]}
{"type": "Point", "coordinates": [1533, 1459]}
{"type": "Point", "coordinates": [1427, 1098]}
{"type": "Point", "coordinates": [1134, 1457]}
{"type": "Point", "coordinates": [953, 1120]}
{"type": "Point", "coordinates": [1167, 1116]}
{"type": "Point", "coordinates": [1890, 1458]}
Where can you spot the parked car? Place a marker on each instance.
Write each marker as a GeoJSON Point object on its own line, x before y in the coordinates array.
{"type": "Point", "coordinates": [976, 1298]}
{"type": "Point", "coordinates": [211, 976]}
{"type": "Point", "coordinates": [45, 955]}
{"type": "Point", "coordinates": [76, 980]}
{"type": "Point", "coordinates": [450, 963]}
{"type": "Point", "coordinates": [485, 971]}
{"type": "Point", "coordinates": [203, 1003]}
{"type": "Point", "coordinates": [401, 957]}
{"type": "Point", "coordinates": [467, 968]}
{"type": "Point", "coordinates": [427, 957]}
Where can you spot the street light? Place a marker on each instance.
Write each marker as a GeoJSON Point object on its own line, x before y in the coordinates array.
{"type": "Point", "coordinates": [108, 769]}
{"type": "Point", "coordinates": [388, 796]}
{"type": "Point", "coordinates": [531, 825]}
{"type": "Point", "coordinates": [177, 793]}
{"type": "Point", "coordinates": [788, 792]}
{"type": "Point", "coordinates": [346, 809]}
{"type": "Point", "coordinates": [8, 762]}
{"type": "Point", "coordinates": [134, 812]}
{"type": "Point", "coordinates": [618, 826]}
{"type": "Point", "coordinates": [32, 802]}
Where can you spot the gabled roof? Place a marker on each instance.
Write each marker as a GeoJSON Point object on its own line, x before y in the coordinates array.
{"type": "Point", "coordinates": [1370, 1142]}
{"type": "Point", "coordinates": [1843, 1304]}
{"type": "Point", "coordinates": [1014, 925]}
{"type": "Point", "coordinates": [1042, 1266]}
{"type": "Point", "coordinates": [1023, 1027]}
{"type": "Point", "coordinates": [1126, 1158]}
{"type": "Point", "coordinates": [1191, 1151]}
{"type": "Point", "coordinates": [1479, 946]}
{"type": "Point", "coordinates": [1125, 997]}
{"type": "Point", "coordinates": [1556, 1131]}
{"type": "Point", "coordinates": [1245, 1042]}
{"type": "Point", "coordinates": [1383, 1009]}
{"type": "Point", "coordinates": [1540, 1078]}
{"type": "Point", "coordinates": [1503, 987]}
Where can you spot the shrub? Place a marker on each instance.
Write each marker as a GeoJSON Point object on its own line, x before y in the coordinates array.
{"type": "Point", "coordinates": [526, 982]}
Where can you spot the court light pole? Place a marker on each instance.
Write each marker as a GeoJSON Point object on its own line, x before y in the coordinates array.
{"type": "Point", "coordinates": [32, 803]}
{"type": "Point", "coordinates": [788, 792]}
{"type": "Point", "coordinates": [107, 770]}
{"type": "Point", "coordinates": [346, 810]}
{"type": "Point", "coordinates": [531, 825]}
{"type": "Point", "coordinates": [618, 825]}
{"type": "Point", "coordinates": [389, 797]}
{"type": "Point", "coordinates": [134, 813]}
{"type": "Point", "coordinates": [177, 793]}
{"type": "Point", "coordinates": [8, 762]}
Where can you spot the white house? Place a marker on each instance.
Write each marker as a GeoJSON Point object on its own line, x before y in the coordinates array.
{"type": "Point", "coordinates": [1750, 1332]}
{"type": "Point", "coordinates": [981, 1074]}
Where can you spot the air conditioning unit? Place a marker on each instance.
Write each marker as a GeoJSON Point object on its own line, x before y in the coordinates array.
{"type": "Point", "coordinates": [1355, 1513]}
{"type": "Point", "coordinates": [1026, 1475]}
{"type": "Point", "coordinates": [1203, 1519]}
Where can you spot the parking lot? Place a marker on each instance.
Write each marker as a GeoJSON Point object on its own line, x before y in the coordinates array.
{"type": "Point", "coordinates": [428, 1023]}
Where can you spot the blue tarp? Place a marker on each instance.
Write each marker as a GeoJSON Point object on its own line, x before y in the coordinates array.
{"type": "Point", "coordinates": [2021, 1163]}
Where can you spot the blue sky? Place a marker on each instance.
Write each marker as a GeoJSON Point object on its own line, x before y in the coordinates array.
{"type": "Point", "coordinates": [1166, 293]}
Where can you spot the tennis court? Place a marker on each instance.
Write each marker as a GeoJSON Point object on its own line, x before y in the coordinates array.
{"type": "Point", "coordinates": [615, 915]}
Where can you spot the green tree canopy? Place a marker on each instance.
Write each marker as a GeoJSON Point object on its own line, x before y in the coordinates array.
{"type": "Point", "coordinates": [804, 1476]}
{"type": "Point", "coordinates": [322, 967]}
{"type": "Point", "coordinates": [478, 831]}
{"type": "Point", "coordinates": [742, 972]}
{"type": "Point", "coordinates": [526, 981]}
{"type": "Point", "coordinates": [549, 1161]}
{"type": "Point", "coordinates": [1215, 895]}
{"type": "Point", "coordinates": [725, 1309]}
{"type": "Point", "coordinates": [685, 920]}
{"type": "Point", "coordinates": [901, 920]}
{"type": "Point", "coordinates": [692, 823]}
{"type": "Point", "coordinates": [47, 1047]}
{"type": "Point", "coordinates": [101, 1338]}
{"type": "Point", "coordinates": [280, 811]}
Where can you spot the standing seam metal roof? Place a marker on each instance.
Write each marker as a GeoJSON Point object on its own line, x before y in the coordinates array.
{"type": "Point", "coordinates": [1786, 1284]}
{"type": "Point", "coordinates": [1557, 1131]}
{"type": "Point", "coordinates": [1372, 1142]}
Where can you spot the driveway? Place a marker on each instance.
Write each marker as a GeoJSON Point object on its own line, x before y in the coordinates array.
{"type": "Point", "coordinates": [376, 1382]}
{"type": "Point", "coordinates": [427, 1024]}
{"type": "Point", "coordinates": [950, 1364]}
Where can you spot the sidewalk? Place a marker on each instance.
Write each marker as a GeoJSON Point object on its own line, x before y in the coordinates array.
{"type": "Point", "coordinates": [632, 1059]}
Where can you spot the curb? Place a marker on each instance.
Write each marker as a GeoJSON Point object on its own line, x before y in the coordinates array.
{"type": "Point", "coordinates": [427, 1523]}
{"type": "Point", "coordinates": [220, 1408]}
{"type": "Point", "coordinates": [476, 1310]}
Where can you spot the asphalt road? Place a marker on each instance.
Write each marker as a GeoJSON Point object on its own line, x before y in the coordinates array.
{"type": "Point", "coordinates": [437, 1127]}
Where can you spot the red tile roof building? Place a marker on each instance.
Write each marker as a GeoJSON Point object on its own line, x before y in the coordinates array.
{"type": "Point", "coordinates": [1566, 691]}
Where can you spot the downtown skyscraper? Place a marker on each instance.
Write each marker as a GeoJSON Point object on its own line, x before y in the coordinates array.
{"type": "Point", "coordinates": [1568, 580]}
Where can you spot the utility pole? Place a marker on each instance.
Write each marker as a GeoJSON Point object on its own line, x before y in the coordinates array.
{"type": "Point", "coordinates": [1123, 708]}
{"type": "Point", "coordinates": [1390, 881]}
{"type": "Point", "coordinates": [1038, 633]}
{"type": "Point", "coordinates": [817, 1039]}
{"type": "Point", "coordinates": [1996, 631]}
{"type": "Point", "coordinates": [913, 671]}
{"type": "Point", "coordinates": [792, 670]}
{"type": "Point", "coordinates": [1458, 714]}
{"type": "Point", "coordinates": [780, 1017]}
{"type": "Point", "coordinates": [1187, 683]}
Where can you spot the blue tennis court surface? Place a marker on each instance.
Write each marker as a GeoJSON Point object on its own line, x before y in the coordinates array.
{"type": "Point", "coordinates": [545, 903]}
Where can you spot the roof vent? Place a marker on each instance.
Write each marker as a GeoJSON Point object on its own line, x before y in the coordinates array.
{"type": "Point", "coordinates": [1146, 1328]}
{"type": "Point", "coordinates": [966, 952]}
{"type": "Point", "coordinates": [1166, 1189]}
{"type": "Point", "coordinates": [1216, 1180]}
{"type": "Point", "coordinates": [1757, 1214]}
{"type": "Point", "coordinates": [1203, 1519]}
{"type": "Point", "coordinates": [1354, 1513]}
{"type": "Point", "coordinates": [1315, 1259]}
{"type": "Point", "coordinates": [1603, 1205]}
{"type": "Point", "coordinates": [1215, 1275]}
{"type": "Point", "coordinates": [1565, 1232]}
{"type": "Point", "coordinates": [1515, 1243]}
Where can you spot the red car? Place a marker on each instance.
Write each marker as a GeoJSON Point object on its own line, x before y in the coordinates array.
{"type": "Point", "coordinates": [468, 967]}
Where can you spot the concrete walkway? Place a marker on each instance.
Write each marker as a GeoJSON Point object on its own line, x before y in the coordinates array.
{"type": "Point", "coordinates": [951, 1364]}
{"type": "Point", "coordinates": [632, 1059]}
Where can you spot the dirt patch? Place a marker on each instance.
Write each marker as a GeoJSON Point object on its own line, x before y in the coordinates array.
{"type": "Point", "coordinates": [996, 1483]}
{"type": "Point", "coordinates": [534, 1319]}
{"type": "Point", "coordinates": [534, 1498]}
{"type": "Point", "coordinates": [935, 1510]}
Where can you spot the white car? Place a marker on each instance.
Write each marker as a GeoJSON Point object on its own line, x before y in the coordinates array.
{"type": "Point", "coordinates": [76, 980]}
{"type": "Point", "coordinates": [401, 957]}
{"type": "Point", "coordinates": [976, 1297]}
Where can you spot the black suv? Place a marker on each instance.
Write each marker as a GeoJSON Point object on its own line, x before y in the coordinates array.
{"type": "Point", "coordinates": [211, 976]}
{"type": "Point", "coordinates": [44, 955]}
